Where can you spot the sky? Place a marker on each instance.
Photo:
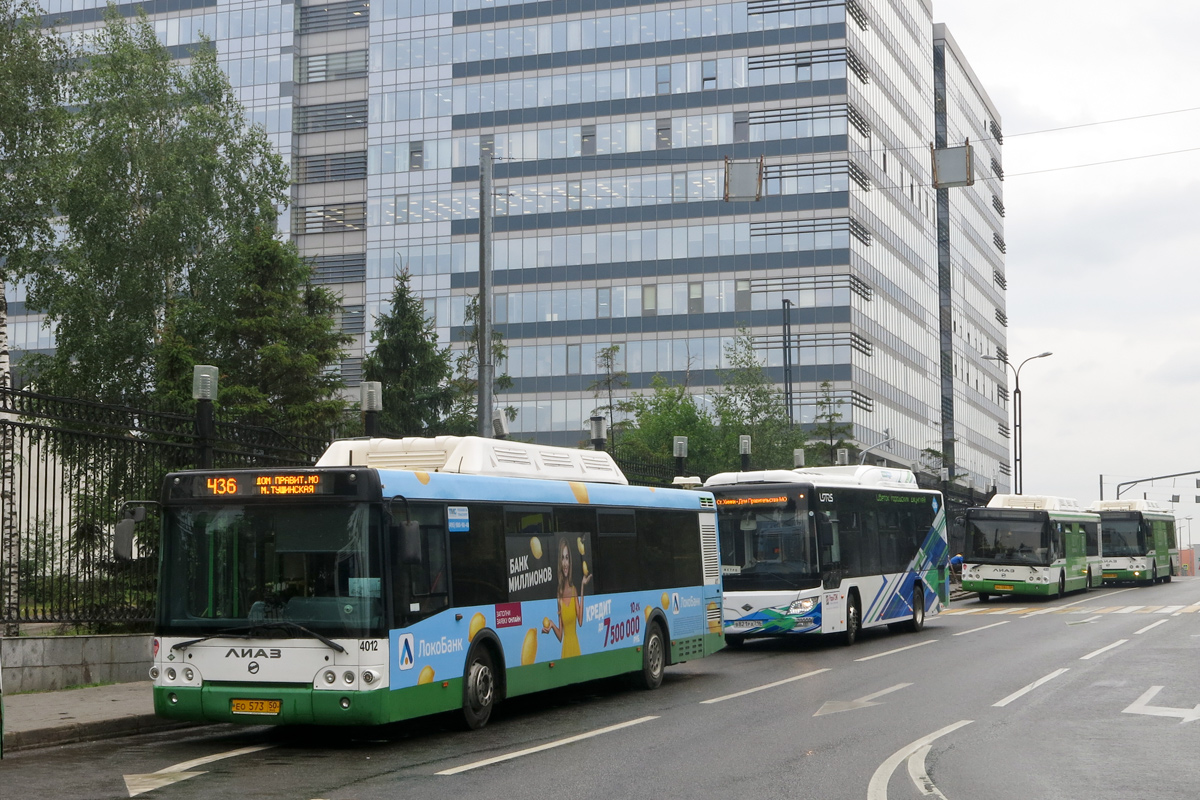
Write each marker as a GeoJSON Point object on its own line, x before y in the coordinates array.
{"type": "Point", "coordinates": [1102, 260]}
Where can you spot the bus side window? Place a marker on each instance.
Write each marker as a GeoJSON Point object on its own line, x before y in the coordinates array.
{"type": "Point", "coordinates": [827, 539]}
{"type": "Point", "coordinates": [617, 544]}
{"type": "Point", "coordinates": [422, 586]}
{"type": "Point", "coordinates": [478, 559]}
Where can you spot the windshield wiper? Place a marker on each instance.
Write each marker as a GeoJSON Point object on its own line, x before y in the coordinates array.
{"type": "Point", "coordinates": [248, 631]}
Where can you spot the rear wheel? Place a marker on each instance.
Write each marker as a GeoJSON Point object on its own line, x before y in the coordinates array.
{"type": "Point", "coordinates": [479, 689]}
{"type": "Point", "coordinates": [917, 623]}
{"type": "Point", "coordinates": [654, 658]}
{"type": "Point", "coordinates": [853, 622]}
{"type": "Point", "coordinates": [1062, 584]}
{"type": "Point", "coordinates": [1170, 572]}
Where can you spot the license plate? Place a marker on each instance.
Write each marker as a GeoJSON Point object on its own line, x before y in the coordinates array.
{"type": "Point", "coordinates": [264, 707]}
{"type": "Point", "coordinates": [745, 623]}
{"type": "Point", "coordinates": [1110, 574]}
{"type": "Point", "coordinates": [1003, 587]}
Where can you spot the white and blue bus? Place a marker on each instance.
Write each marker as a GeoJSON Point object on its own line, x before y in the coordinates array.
{"type": "Point", "coordinates": [399, 578]}
{"type": "Point", "coordinates": [829, 550]}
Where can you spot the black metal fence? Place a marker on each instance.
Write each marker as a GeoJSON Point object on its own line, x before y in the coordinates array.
{"type": "Point", "coordinates": [66, 466]}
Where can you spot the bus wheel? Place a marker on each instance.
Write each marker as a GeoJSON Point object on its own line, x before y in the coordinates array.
{"type": "Point", "coordinates": [1153, 574]}
{"type": "Point", "coordinates": [917, 623]}
{"type": "Point", "coordinates": [853, 622]}
{"type": "Point", "coordinates": [1088, 584]}
{"type": "Point", "coordinates": [984, 597]}
{"type": "Point", "coordinates": [1170, 572]}
{"type": "Point", "coordinates": [735, 641]}
{"type": "Point", "coordinates": [1062, 584]}
{"type": "Point", "coordinates": [479, 689]}
{"type": "Point", "coordinates": [654, 658]}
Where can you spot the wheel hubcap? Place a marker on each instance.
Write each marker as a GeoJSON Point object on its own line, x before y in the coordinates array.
{"type": "Point", "coordinates": [655, 655]}
{"type": "Point", "coordinates": [480, 687]}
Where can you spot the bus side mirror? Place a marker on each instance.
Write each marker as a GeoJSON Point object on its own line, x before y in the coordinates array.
{"type": "Point", "coordinates": [410, 542]}
{"type": "Point", "coordinates": [123, 533]}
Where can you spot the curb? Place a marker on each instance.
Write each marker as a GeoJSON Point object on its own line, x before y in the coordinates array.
{"type": "Point", "coordinates": [89, 731]}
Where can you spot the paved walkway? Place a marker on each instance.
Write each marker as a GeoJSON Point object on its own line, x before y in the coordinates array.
{"type": "Point", "coordinates": [42, 719]}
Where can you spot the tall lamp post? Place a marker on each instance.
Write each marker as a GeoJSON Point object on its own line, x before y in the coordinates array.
{"type": "Point", "coordinates": [1017, 413]}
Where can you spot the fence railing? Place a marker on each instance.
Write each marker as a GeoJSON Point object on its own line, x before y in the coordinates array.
{"type": "Point", "coordinates": [66, 466]}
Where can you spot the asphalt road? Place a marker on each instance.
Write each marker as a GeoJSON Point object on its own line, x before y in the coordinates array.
{"type": "Point", "coordinates": [1095, 695]}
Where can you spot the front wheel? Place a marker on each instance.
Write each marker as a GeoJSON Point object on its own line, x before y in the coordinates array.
{"type": "Point", "coordinates": [479, 690]}
{"type": "Point", "coordinates": [1170, 572]}
{"type": "Point", "coordinates": [852, 621]}
{"type": "Point", "coordinates": [984, 597]}
{"type": "Point", "coordinates": [1153, 575]}
{"type": "Point", "coordinates": [735, 641]}
{"type": "Point", "coordinates": [654, 658]}
{"type": "Point", "coordinates": [1088, 585]}
{"type": "Point", "coordinates": [917, 623]}
{"type": "Point", "coordinates": [1062, 584]}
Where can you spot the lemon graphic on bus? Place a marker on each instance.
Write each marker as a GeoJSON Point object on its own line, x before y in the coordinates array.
{"type": "Point", "coordinates": [426, 675]}
{"type": "Point", "coordinates": [529, 649]}
{"type": "Point", "coordinates": [535, 547]}
{"type": "Point", "coordinates": [579, 544]}
{"type": "Point", "coordinates": [649, 611]}
{"type": "Point", "coordinates": [478, 622]}
{"type": "Point", "coordinates": [666, 601]}
{"type": "Point", "coordinates": [585, 569]}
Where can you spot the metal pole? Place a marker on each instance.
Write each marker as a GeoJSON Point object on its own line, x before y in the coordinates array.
{"type": "Point", "coordinates": [484, 327]}
{"type": "Point", "coordinates": [1017, 434]}
{"type": "Point", "coordinates": [787, 359]}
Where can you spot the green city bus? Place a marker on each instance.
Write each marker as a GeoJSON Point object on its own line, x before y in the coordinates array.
{"type": "Point", "coordinates": [1031, 545]}
{"type": "Point", "coordinates": [1139, 541]}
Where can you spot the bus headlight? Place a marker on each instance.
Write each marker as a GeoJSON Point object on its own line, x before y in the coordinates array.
{"type": "Point", "coordinates": [188, 674]}
{"type": "Point", "coordinates": [369, 676]}
{"type": "Point", "coordinates": [802, 606]}
{"type": "Point", "coordinates": [170, 673]}
{"type": "Point", "coordinates": [330, 676]}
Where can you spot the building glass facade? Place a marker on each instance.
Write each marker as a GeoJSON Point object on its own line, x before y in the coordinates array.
{"type": "Point", "coordinates": [611, 123]}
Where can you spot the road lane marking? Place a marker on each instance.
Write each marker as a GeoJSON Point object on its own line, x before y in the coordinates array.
{"type": "Point", "coordinates": [1127, 609]}
{"type": "Point", "coordinates": [984, 628]}
{"type": "Point", "coordinates": [897, 650]}
{"type": "Point", "coordinates": [543, 747]}
{"type": "Point", "coordinates": [1148, 627]}
{"type": "Point", "coordinates": [1170, 609]}
{"type": "Point", "coordinates": [1055, 610]}
{"type": "Point", "coordinates": [140, 784]}
{"type": "Point", "coordinates": [1019, 693]}
{"type": "Point", "coordinates": [877, 789]}
{"type": "Point", "coordinates": [835, 706]}
{"type": "Point", "coordinates": [1139, 707]}
{"type": "Point", "coordinates": [920, 775]}
{"type": "Point", "coordinates": [1095, 653]}
{"type": "Point", "coordinates": [745, 692]}
{"type": "Point", "coordinates": [1085, 621]}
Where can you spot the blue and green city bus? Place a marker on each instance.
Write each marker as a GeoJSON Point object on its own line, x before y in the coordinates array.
{"type": "Point", "coordinates": [399, 578]}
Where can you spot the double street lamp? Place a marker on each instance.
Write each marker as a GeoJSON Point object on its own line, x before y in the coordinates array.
{"type": "Point", "coordinates": [1017, 413]}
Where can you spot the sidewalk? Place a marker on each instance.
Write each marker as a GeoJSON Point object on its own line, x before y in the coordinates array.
{"type": "Point", "coordinates": [43, 719]}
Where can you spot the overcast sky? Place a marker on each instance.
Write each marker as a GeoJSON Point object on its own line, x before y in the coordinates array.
{"type": "Point", "coordinates": [1102, 261]}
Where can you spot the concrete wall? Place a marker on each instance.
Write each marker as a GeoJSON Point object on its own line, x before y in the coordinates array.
{"type": "Point", "coordinates": [41, 663]}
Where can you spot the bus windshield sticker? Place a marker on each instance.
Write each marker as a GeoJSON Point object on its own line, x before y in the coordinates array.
{"type": "Point", "coordinates": [457, 519]}
{"type": "Point", "coordinates": [364, 587]}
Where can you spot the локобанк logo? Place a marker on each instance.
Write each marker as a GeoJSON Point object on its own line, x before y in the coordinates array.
{"type": "Point", "coordinates": [674, 602]}
{"type": "Point", "coordinates": [405, 652]}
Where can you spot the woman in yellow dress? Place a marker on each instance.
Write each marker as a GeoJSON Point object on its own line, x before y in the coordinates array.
{"type": "Point", "coordinates": [570, 603]}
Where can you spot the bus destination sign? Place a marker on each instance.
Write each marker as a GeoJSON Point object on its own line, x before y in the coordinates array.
{"type": "Point", "coordinates": [274, 484]}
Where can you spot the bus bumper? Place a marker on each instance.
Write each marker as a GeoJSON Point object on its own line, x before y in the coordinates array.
{"type": "Point", "coordinates": [295, 705]}
{"type": "Point", "coordinates": [1006, 587]}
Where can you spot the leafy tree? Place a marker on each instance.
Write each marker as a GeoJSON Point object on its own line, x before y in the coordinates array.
{"type": "Point", "coordinates": [671, 410]}
{"type": "Point", "coordinates": [274, 335]}
{"type": "Point", "coordinates": [414, 371]}
{"type": "Point", "coordinates": [33, 89]}
{"type": "Point", "coordinates": [464, 411]}
{"type": "Point", "coordinates": [164, 182]}
{"type": "Point", "coordinates": [828, 428]}
{"type": "Point", "coordinates": [749, 403]}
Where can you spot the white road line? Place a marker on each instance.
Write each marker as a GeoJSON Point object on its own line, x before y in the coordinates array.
{"type": "Point", "coordinates": [1022, 692]}
{"type": "Point", "coordinates": [745, 692]}
{"type": "Point", "coordinates": [1097, 597]}
{"type": "Point", "coordinates": [897, 650]}
{"type": "Point", "coordinates": [1127, 609]}
{"type": "Point", "coordinates": [1042, 611]}
{"type": "Point", "coordinates": [920, 775]}
{"type": "Point", "coordinates": [1095, 653]}
{"type": "Point", "coordinates": [543, 747]}
{"type": "Point", "coordinates": [1169, 609]}
{"type": "Point", "coordinates": [1085, 621]}
{"type": "Point", "coordinates": [1148, 627]}
{"type": "Point", "coordinates": [140, 784]}
{"type": "Point", "coordinates": [877, 789]}
{"type": "Point", "coordinates": [984, 628]}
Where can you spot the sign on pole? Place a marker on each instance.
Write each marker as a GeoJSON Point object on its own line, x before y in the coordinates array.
{"type": "Point", "coordinates": [953, 166]}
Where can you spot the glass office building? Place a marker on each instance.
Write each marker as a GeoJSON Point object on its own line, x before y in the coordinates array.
{"type": "Point", "coordinates": [612, 124]}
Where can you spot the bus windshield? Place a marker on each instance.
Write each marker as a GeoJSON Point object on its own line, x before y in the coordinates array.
{"type": "Point", "coordinates": [768, 549]}
{"type": "Point", "coordinates": [1007, 541]}
{"type": "Point", "coordinates": [241, 567]}
{"type": "Point", "coordinates": [1124, 537]}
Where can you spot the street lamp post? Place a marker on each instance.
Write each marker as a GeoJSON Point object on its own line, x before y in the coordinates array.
{"type": "Point", "coordinates": [1017, 413]}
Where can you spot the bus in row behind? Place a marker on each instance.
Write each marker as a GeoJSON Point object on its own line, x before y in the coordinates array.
{"type": "Point", "coordinates": [1031, 545]}
{"type": "Point", "coordinates": [1139, 540]}
{"type": "Point", "coordinates": [400, 578]}
{"type": "Point", "coordinates": [828, 550]}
